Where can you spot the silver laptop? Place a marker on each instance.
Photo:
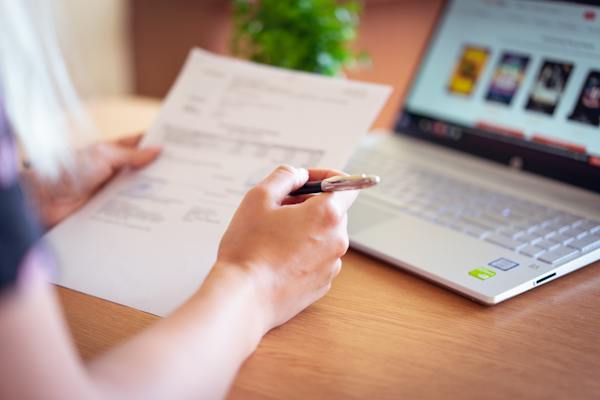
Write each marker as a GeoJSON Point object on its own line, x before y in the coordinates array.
{"type": "Point", "coordinates": [491, 180]}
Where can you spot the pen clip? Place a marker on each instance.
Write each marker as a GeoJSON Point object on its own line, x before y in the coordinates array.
{"type": "Point", "coordinates": [349, 182]}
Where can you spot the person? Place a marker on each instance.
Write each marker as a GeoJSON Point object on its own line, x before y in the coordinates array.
{"type": "Point", "coordinates": [278, 255]}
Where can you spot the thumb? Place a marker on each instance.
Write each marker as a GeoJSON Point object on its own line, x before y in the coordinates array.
{"type": "Point", "coordinates": [144, 156]}
{"type": "Point", "coordinates": [121, 157]}
{"type": "Point", "coordinates": [283, 180]}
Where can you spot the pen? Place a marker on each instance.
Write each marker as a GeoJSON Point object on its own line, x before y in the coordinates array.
{"type": "Point", "coordinates": [338, 183]}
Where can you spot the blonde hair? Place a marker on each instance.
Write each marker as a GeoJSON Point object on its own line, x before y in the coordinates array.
{"type": "Point", "coordinates": [38, 95]}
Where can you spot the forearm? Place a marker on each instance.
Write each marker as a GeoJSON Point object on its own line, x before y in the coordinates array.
{"type": "Point", "coordinates": [194, 353]}
{"type": "Point", "coordinates": [290, 255]}
{"type": "Point", "coordinates": [37, 358]}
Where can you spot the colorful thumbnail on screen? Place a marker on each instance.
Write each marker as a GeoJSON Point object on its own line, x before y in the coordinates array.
{"type": "Point", "coordinates": [549, 86]}
{"type": "Point", "coordinates": [507, 77]}
{"type": "Point", "coordinates": [468, 70]}
{"type": "Point", "coordinates": [587, 108]}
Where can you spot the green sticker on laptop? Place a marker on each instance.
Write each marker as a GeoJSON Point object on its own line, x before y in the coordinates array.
{"type": "Point", "coordinates": [482, 273]}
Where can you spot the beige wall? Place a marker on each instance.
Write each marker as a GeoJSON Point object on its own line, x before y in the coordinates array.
{"type": "Point", "coordinates": [94, 38]}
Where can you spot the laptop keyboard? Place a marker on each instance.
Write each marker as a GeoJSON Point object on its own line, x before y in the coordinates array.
{"type": "Point", "coordinates": [534, 230]}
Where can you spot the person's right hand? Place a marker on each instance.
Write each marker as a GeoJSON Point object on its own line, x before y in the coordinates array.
{"type": "Point", "coordinates": [290, 248]}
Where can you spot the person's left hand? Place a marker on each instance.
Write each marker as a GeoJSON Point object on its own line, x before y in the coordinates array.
{"type": "Point", "coordinates": [93, 166]}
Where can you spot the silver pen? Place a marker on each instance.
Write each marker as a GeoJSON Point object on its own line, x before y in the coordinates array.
{"type": "Point", "coordinates": [338, 183]}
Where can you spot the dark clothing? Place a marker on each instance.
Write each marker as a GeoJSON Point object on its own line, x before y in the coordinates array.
{"type": "Point", "coordinates": [18, 229]}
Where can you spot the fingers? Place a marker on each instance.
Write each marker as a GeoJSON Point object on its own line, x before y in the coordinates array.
{"type": "Point", "coordinates": [342, 200]}
{"type": "Point", "coordinates": [143, 157]}
{"type": "Point", "coordinates": [291, 200]}
{"type": "Point", "coordinates": [333, 206]}
{"type": "Point", "coordinates": [283, 180]}
{"type": "Point", "coordinates": [337, 268]}
{"type": "Point", "coordinates": [130, 141]}
{"type": "Point", "coordinates": [317, 174]}
{"type": "Point", "coordinates": [314, 174]}
{"type": "Point", "coordinates": [124, 152]}
{"type": "Point", "coordinates": [120, 157]}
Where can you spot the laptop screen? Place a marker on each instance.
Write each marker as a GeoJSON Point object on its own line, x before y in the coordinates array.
{"type": "Point", "coordinates": [516, 81]}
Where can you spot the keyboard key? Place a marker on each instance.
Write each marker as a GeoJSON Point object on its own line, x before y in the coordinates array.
{"type": "Point", "coordinates": [514, 218]}
{"type": "Point", "coordinates": [511, 232]}
{"type": "Point", "coordinates": [547, 244]}
{"type": "Point", "coordinates": [558, 255]}
{"type": "Point", "coordinates": [542, 220]}
{"type": "Point", "coordinates": [490, 226]}
{"type": "Point", "coordinates": [586, 243]}
{"type": "Point", "coordinates": [558, 226]}
{"type": "Point", "coordinates": [524, 226]}
{"type": "Point", "coordinates": [589, 225]}
{"type": "Point", "coordinates": [506, 242]}
{"type": "Point", "coordinates": [569, 219]}
{"type": "Point", "coordinates": [532, 251]}
{"type": "Point", "coordinates": [577, 232]}
{"type": "Point", "coordinates": [562, 238]}
{"type": "Point", "coordinates": [476, 231]}
{"type": "Point", "coordinates": [546, 232]}
{"type": "Point", "coordinates": [495, 218]}
{"type": "Point", "coordinates": [530, 238]}
{"type": "Point", "coordinates": [533, 227]}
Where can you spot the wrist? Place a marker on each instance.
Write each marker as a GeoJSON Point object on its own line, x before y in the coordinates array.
{"type": "Point", "coordinates": [239, 286]}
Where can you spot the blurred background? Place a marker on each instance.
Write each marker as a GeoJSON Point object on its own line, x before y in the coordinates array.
{"type": "Point", "coordinates": [123, 48]}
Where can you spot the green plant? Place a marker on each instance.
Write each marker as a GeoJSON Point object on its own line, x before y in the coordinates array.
{"type": "Point", "coordinates": [306, 35]}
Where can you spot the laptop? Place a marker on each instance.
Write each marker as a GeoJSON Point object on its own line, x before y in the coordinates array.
{"type": "Point", "coordinates": [490, 182]}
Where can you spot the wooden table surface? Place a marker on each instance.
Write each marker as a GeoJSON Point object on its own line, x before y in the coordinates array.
{"type": "Point", "coordinates": [382, 333]}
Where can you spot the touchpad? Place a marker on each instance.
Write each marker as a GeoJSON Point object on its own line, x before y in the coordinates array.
{"type": "Point", "coordinates": [363, 215]}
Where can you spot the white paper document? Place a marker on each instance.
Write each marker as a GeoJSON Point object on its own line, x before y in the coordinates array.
{"type": "Point", "coordinates": [149, 238]}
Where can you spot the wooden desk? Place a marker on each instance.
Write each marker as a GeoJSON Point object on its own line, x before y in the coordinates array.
{"type": "Point", "coordinates": [382, 333]}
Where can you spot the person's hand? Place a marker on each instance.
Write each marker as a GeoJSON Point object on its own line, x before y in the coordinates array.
{"type": "Point", "coordinates": [289, 247]}
{"type": "Point", "coordinates": [93, 166]}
